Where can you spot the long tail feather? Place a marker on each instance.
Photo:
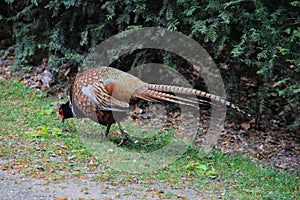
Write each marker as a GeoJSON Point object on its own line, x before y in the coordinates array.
{"type": "Point", "coordinates": [157, 95]}
{"type": "Point", "coordinates": [189, 91]}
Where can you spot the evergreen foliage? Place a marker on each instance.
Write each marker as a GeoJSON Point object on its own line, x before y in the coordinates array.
{"type": "Point", "coordinates": [261, 37]}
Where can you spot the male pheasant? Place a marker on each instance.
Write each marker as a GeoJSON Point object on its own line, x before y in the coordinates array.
{"type": "Point", "coordinates": [97, 92]}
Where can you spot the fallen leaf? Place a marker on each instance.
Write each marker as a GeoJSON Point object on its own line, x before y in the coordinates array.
{"type": "Point", "coordinates": [282, 165]}
{"type": "Point", "coordinates": [245, 126]}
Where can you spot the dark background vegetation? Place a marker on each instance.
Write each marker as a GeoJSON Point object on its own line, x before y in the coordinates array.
{"type": "Point", "coordinates": [255, 43]}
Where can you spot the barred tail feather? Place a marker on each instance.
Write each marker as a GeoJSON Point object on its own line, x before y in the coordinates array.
{"type": "Point", "coordinates": [190, 91]}
{"type": "Point", "coordinates": [161, 96]}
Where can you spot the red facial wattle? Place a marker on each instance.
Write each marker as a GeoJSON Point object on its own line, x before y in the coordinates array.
{"type": "Point", "coordinates": [61, 113]}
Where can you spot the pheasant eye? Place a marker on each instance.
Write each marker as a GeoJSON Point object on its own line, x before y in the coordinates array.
{"type": "Point", "coordinates": [60, 112]}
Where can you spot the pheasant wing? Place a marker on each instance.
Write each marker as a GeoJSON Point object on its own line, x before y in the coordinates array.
{"type": "Point", "coordinates": [99, 95]}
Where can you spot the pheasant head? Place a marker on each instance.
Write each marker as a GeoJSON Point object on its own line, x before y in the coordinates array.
{"type": "Point", "coordinates": [65, 111]}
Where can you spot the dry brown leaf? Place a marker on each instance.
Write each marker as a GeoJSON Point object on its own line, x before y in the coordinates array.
{"type": "Point", "coordinates": [245, 126]}
{"type": "Point", "coordinates": [282, 165]}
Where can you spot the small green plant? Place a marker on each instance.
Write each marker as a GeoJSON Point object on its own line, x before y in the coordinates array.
{"type": "Point", "coordinates": [201, 169]}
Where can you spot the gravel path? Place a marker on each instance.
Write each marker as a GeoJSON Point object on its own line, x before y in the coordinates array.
{"type": "Point", "coordinates": [20, 187]}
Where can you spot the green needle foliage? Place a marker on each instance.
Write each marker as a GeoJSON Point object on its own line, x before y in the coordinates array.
{"type": "Point", "coordinates": [258, 39]}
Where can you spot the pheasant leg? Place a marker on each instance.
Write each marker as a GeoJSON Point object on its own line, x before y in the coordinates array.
{"type": "Point", "coordinates": [124, 135]}
{"type": "Point", "coordinates": [107, 129]}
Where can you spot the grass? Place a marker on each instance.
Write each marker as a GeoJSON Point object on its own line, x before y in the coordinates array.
{"type": "Point", "coordinates": [33, 141]}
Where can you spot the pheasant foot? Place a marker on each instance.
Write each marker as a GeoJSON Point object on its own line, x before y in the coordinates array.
{"type": "Point", "coordinates": [124, 139]}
